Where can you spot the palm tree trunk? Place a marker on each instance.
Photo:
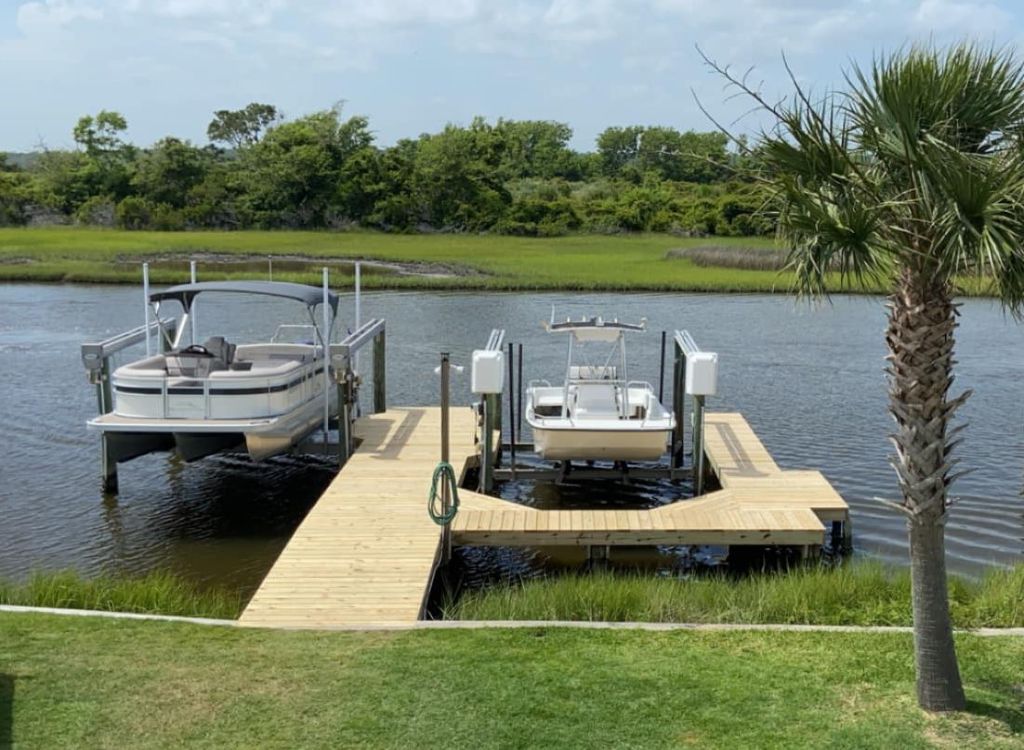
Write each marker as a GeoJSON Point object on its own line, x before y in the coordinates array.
{"type": "Point", "coordinates": [922, 320]}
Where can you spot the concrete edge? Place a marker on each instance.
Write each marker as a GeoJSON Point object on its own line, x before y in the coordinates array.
{"type": "Point", "coordinates": [114, 615]}
{"type": "Point", "coordinates": [519, 624]}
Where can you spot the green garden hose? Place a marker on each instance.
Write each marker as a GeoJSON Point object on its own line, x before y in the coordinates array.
{"type": "Point", "coordinates": [443, 473]}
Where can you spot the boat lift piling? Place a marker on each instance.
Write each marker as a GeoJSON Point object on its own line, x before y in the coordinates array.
{"type": "Point", "coordinates": [96, 358]}
{"type": "Point", "coordinates": [695, 374]}
{"type": "Point", "coordinates": [347, 381]}
{"type": "Point", "coordinates": [512, 391]}
{"type": "Point", "coordinates": [490, 403]}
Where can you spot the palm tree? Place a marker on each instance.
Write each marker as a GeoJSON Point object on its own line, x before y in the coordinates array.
{"type": "Point", "coordinates": [912, 177]}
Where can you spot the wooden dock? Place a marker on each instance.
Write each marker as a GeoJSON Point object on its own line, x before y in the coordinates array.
{"type": "Point", "coordinates": [366, 553]}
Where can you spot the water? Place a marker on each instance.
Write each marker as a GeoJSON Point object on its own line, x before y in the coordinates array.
{"type": "Point", "coordinates": [809, 380]}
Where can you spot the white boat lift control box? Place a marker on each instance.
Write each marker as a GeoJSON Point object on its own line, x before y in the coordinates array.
{"type": "Point", "coordinates": [488, 372]}
{"type": "Point", "coordinates": [702, 374]}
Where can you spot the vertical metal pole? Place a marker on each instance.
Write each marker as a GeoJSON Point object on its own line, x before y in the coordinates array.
{"type": "Point", "coordinates": [661, 370]}
{"type": "Point", "coordinates": [192, 308]}
{"type": "Point", "coordinates": [145, 304]}
{"type": "Point", "coordinates": [105, 389]}
{"type": "Point", "coordinates": [359, 307]}
{"type": "Point", "coordinates": [512, 390]}
{"type": "Point", "coordinates": [326, 354]}
{"type": "Point", "coordinates": [519, 392]}
{"type": "Point", "coordinates": [698, 445]}
{"type": "Point", "coordinates": [446, 500]}
{"type": "Point", "coordinates": [379, 376]}
{"type": "Point", "coordinates": [270, 268]}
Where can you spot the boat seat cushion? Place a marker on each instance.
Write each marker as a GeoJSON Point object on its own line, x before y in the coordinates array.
{"type": "Point", "coordinates": [596, 400]}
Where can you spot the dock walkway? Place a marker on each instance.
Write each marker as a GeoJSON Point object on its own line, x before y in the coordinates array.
{"type": "Point", "coordinates": [366, 553]}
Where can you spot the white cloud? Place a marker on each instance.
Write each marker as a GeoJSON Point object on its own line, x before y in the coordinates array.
{"type": "Point", "coordinates": [42, 16]}
{"type": "Point", "coordinates": [960, 16]}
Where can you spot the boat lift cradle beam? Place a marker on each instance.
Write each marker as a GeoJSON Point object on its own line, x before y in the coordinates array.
{"type": "Point", "coordinates": [96, 358]}
{"type": "Point", "coordinates": [343, 360]}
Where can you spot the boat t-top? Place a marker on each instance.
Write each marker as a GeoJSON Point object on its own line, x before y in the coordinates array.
{"type": "Point", "coordinates": [214, 395]}
{"type": "Point", "coordinates": [598, 414]}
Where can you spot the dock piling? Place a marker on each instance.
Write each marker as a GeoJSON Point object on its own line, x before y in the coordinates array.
{"type": "Point", "coordinates": [512, 390]}
{"type": "Point", "coordinates": [379, 373]}
{"type": "Point", "coordinates": [698, 445]}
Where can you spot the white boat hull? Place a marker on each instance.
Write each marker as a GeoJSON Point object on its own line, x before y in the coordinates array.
{"type": "Point", "coordinates": [260, 438]}
{"type": "Point", "coordinates": [581, 444]}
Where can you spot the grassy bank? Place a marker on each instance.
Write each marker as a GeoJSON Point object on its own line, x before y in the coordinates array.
{"type": "Point", "coordinates": [859, 594]}
{"type": "Point", "coordinates": [65, 682]}
{"type": "Point", "coordinates": [156, 593]}
{"type": "Point", "coordinates": [492, 262]}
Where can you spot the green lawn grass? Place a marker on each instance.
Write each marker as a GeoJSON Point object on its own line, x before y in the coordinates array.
{"type": "Point", "coordinates": [70, 682]}
{"type": "Point", "coordinates": [500, 263]}
{"type": "Point", "coordinates": [857, 594]}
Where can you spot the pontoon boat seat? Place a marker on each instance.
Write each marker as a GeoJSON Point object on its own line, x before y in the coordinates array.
{"type": "Point", "coordinates": [197, 364]}
{"type": "Point", "coordinates": [221, 350]}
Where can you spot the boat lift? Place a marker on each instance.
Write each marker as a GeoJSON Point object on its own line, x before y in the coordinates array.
{"type": "Point", "coordinates": [694, 375]}
{"type": "Point", "coordinates": [163, 335]}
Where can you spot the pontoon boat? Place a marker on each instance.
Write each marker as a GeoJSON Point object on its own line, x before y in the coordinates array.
{"type": "Point", "coordinates": [598, 414]}
{"type": "Point", "coordinates": [206, 397]}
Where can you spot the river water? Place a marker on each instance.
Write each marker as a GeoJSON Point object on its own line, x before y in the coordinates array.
{"type": "Point", "coordinates": [809, 380]}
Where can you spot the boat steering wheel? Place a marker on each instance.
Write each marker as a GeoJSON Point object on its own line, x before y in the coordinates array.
{"type": "Point", "coordinates": [197, 349]}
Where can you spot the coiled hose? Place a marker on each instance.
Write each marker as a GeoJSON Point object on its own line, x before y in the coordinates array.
{"type": "Point", "coordinates": [443, 472]}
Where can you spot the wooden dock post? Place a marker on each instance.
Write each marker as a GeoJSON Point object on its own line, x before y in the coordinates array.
{"type": "Point", "coordinates": [108, 465]}
{"type": "Point", "coordinates": [379, 374]}
{"type": "Point", "coordinates": [345, 399]}
{"type": "Point", "coordinates": [698, 445]}
{"type": "Point", "coordinates": [491, 405]}
{"type": "Point", "coordinates": [678, 405]}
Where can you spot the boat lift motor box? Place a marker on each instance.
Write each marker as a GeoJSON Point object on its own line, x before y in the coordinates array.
{"type": "Point", "coordinates": [488, 372]}
{"type": "Point", "coordinates": [702, 374]}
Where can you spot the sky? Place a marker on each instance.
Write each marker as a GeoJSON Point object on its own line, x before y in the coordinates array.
{"type": "Point", "coordinates": [411, 66]}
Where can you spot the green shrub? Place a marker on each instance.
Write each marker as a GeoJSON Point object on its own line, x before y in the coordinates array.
{"type": "Point", "coordinates": [97, 211]}
{"type": "Point", "coordinates": [133, 213]}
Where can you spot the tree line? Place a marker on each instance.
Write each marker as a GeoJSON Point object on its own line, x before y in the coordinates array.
{"type": "Point", "coordinates": [323, 170]}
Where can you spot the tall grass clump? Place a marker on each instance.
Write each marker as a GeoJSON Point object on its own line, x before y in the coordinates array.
{"type": "Point", "coordinates": [860, 594]}
{"type": "Point", "coordinates": [154, 593]}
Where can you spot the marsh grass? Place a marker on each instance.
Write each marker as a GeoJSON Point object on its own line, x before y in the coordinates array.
{"type": "Point", "coordinates": [857, 594]}
{"type": "Point", "coordinates": [487, 262]}
{"type": "Point", "coordinates": [748, 258]}
{"type": "Point", "coordinates": [154, 593]}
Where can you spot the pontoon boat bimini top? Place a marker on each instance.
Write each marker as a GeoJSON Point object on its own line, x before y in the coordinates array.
{"type": "Point", "coordinates": [311, 296]}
